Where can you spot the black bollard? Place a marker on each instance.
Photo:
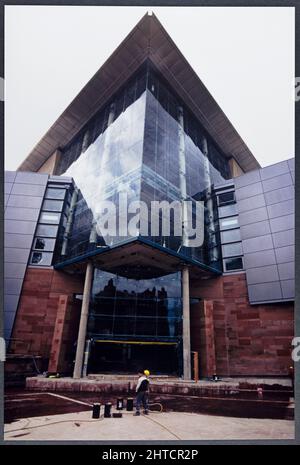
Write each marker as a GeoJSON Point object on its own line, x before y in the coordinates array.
{"type": "Point", "coordinates": [129, 406]}
{"type": "Point", "coordinates": [120, 403]}
{"type": "Point", "coordinates": [96, 411]}
{"type": "Point", "coordinates": [107, 409]}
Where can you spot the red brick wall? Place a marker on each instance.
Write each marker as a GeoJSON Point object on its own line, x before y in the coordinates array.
{"type": "Point", "coordinates": [37, 310]}
{"type": "Point", "coordinates": [202, 337]}
{"type": "Point", "coordinates": [64, 334]}
{"type": "Point", "coordinates": [249, 339]}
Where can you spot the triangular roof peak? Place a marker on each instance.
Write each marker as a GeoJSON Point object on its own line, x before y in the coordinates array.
{"type": "Point", "coordinates": [148, 39]}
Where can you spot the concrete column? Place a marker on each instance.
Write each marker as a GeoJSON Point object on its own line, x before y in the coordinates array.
{"type": "Point", "coordinates": [213, 250]}
{"type": "Point", "coordinates": [182, 178]}
{"type": "Point", "coordinates": [186, 336]}
{"type": "Point", "coordinates": [83, 321]}
{"type": "Point", "coordinates": [86, 357]}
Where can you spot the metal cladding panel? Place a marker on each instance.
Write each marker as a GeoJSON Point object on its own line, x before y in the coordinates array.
{"type": "Point", "coordinates": [265, 201]}
{"type": "Point", "coordinates": [21, 215]}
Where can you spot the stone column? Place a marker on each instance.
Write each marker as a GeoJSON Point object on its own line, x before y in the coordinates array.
{"type": "Point", "coordinates": [186, 337]}
{"type": "Point", "coordinates": [83, 321]}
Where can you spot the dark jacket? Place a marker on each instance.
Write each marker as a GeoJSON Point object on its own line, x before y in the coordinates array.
{"type": "Point", "coordinates": [143, 384]}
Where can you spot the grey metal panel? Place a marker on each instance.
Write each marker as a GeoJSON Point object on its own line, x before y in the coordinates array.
{"type": "Point", "coordinates": [24, 177]}
{"type": "Point", "coordinates": [257, 244]}
{"type": "Point", "coordinates": [10, 303]}
{"type": "Point", "coordinates": [28, 189]}
{"type": "Point", "coordinates": [282, 224]}
{"type": "Point", "coordinates": [22, 227]}
{"type": "Point", "coordinates": [21, 241]}
{"type": "Point", "coordinates": [293, 176]}
{"type": "Point", "coordinates": [9, 318]}
{"type": "Point", "coordinates": [280, 195]}
{"type": "Point", "coordinates": [253, 216]}
{"type": "Point", "coordinates": [246, 179]}
{"type": "Point", "coordinates": [27, 201]}
{"type": "Point", "coordinates": [277, 183]}
{"type": "Point", "coordinates": [288, 289]}
{"type": "Point", "coordinates": [7, 334]}
{"type": "Point", "coordinates": [291, 163]}
{"type": "Point", "coordinates": [17, 213]}
{"type": "Point", "coordinates": [285, 254]}
{"type": "Point", "coordinates": [281, 209]}
{"type": "Point", "coordinates": [263, 274]}
{"type": "Point", "coordinates": [8, 187]}
{"type": "Point", "coordinates": [286, 270]}
{"type": "Point", "coordinates": [256, 201]}
{"type": "Point", "coordinates": [6, 198]}
{"type": "Point", "coordinates": [283, 238]}
{"type": "Point", "coordinates": [274, 170]}
{"type": "Point", "coordinates": [256, 259]}
{"type": "Point", "coordinates": [13, 286]}
{"type": "Point", "coordinates": [14, 270]}
{"type": "Point", "coordinates": [264, 292]}
{"type": "Point", "coordinates": [249, 191]}
{"type": "Point", "coordinates": [256, 229]}
{"type": "Point", "coordinates": [15, 255]}
{"type": "Point", "coordinates": [9, 176]}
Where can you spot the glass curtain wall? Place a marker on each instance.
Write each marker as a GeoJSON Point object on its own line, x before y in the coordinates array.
{"type": "Point", "coordinates": [147, 144]}
{"type": "Point", "coordinates": [126, 311]}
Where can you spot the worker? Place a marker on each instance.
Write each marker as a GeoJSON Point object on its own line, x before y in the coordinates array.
{"type": "Point", "coordinates": [142, 392]}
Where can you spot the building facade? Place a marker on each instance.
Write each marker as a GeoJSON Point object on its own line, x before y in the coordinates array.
{"type": "Point", "coordinates": [146, 130]}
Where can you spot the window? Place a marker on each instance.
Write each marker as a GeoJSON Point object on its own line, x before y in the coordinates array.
{"type": "Point", "coordinates": [226, 198]}
{"type": "Point", "coordinates": [53, 205]}
{"type": "Point", "coordinates": [42, 243]}
{"type": "Point", "coordinates": [232, 249]}
{"type": "Point", "coordinates": [55, 193]}
{"type": "Point", "coordinates": [231, 264]}
{"type": "Point", "coordinates": [229, 223]}
{"type": "Point", "coordinates": [49, 217]}
{"type": "Point", "coordinates": [230, 236]}
{"type": "Point", "coordinates": [228, 210]}
{"type": "Point", "coordinates": [41, 258]}
{"type": "Point", "coordinates": [46, 230]}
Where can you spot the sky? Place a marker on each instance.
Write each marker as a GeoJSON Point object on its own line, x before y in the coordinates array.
{"type": "Point", "coordinates": [243, 55]}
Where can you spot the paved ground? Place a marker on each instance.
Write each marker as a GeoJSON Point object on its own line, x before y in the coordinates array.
{"type": "Point", "coordinates": [156, 426]}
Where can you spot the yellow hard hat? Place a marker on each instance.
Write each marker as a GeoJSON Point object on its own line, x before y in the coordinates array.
{"type": "Point", "coordinates": [146, 372]}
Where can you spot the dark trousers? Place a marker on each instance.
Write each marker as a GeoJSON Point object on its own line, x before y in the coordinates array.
{"type": "Point", "coordinates": [142, 398]}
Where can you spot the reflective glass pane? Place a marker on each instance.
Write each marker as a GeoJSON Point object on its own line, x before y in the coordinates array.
{"type": "Point", "coordinates": [52, 205]}
{"type": "Point", "coordinates": [46, 230]}
{"type": "Point", "coordinates": [231, 264]}
{"type": "Point", "coordinates": [41, 243]}
{"type": "Point", "coordinates": [231, 236]}
{"type": "Point", "coordinates": [232, 249]}
{"type": "Point", "coordinates": [53, 193]}
{"type": "Point", "coordinates": [41, 258]}
{"type": "Point", "coordinates": [226, 198]}
{"type": "Point", "coordinates": [227, 210]}
{"type": "Point", "coordinates": [228, 223]}
{"type": "Point", "coordinates": [48, 217]}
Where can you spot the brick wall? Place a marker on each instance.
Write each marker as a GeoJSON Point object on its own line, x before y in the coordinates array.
{"type": "Point", "coordinates": [37, 311]}
{"type": "Point", "coordinates": [202, 337]}
{"type": "Point", "coordinates": [248, 339]}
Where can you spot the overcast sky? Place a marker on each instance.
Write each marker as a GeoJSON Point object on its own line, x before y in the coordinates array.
{"type": "Point", "coordinates": [244, 56]}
